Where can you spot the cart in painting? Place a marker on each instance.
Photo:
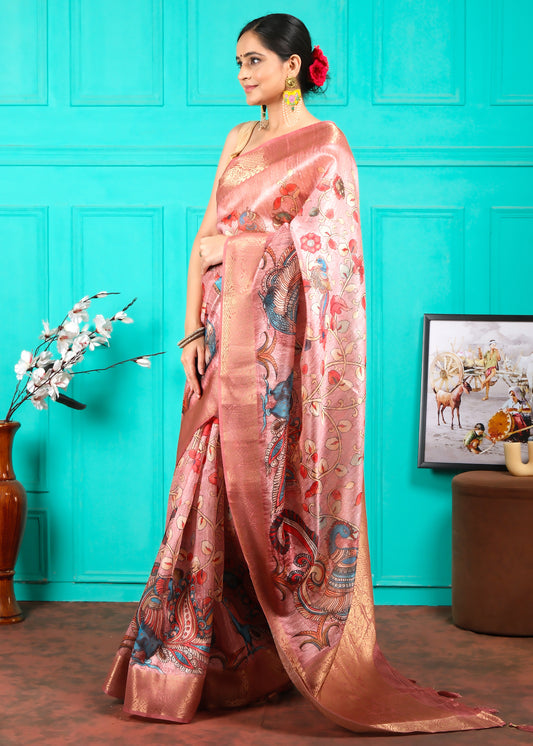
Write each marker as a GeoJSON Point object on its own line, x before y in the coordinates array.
{"type": "Point", "coordinates": [448, 369]}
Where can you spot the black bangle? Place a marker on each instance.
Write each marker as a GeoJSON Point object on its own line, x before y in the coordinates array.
{"type": "Point", "coordinates": [191, 337]}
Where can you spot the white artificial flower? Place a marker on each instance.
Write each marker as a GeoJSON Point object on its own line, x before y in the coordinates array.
{"type": "Point", "coordinates": [122, 316]}
{"type": "Point", "coordinates": [79, 312]}
{"type": "Point", "coordinates": [57, 381]}
{"type": "Point", "coordinates": [61, 379]}
{"type": "Point", "coordinates": [47, 332]}
{"type": "Point", "coordinates": [25, 362]}
{"type": "Point", "coordinates": [81, 342]}
{"type": "Point", "coordinates": [53, 393]}
{"type": "Point", "coordinates": [71, 357]}
{"type": "Point", "coordinates": [144, 362]}
{"type": "Point", "coordinates": [65, 336]}
{"type": "Point", "coordinates": [63, 342]}
{"type": "Point", "coordinates": [38, 376]}
{"type": "Point", "coordinates": [39, 401]}
{"type": "Point", "coordinates": [103, 326]}
{"type": "Point", "coordinates": [72, 327]}
{"type": "Point", "coordinates": [101, 294]}
{"type": "Point", "coordinates": [44, 358]}
{"type": "Point", "coordinates": [84, 341]}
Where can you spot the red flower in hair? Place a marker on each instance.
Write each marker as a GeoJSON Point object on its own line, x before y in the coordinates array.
{"type": "Point", "coordinates": [319, 67]}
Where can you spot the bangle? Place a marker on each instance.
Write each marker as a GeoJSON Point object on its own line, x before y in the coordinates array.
{"type": "Point", "coordinates": [191, 337]}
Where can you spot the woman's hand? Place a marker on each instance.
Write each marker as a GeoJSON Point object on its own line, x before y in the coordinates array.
{"type": "Point", "coordinates": [193, 360]}
{"type": "Point", "coordinates": [211, 251]}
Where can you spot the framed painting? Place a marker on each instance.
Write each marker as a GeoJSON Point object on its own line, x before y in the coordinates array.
{"type": "Point", "coordinates": [476, 393]}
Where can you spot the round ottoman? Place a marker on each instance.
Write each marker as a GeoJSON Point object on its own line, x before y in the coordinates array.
{"type": "Point", "coordinates": [492, 552]}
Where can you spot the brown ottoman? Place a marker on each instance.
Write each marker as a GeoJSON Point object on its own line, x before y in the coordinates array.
{"type": "Point", "coordinates": [492, 552]}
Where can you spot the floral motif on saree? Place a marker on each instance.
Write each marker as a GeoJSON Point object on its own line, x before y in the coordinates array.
{"type": "Point", "coordinates": [263, 573]}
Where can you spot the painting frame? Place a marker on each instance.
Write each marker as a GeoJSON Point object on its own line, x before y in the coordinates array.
{"type": "Point", "coordinates": [448, 342]}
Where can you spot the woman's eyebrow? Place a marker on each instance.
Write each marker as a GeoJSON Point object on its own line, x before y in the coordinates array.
{"type": "Point", "coordinates": [249, 54]}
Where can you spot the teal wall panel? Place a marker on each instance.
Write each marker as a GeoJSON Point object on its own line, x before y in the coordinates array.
{"type": "Point", "coordinates": [23, 52]}
{"type": "Point", "coordinates": [112, 117]}
{"type": "Point", "coordinates": [512, 61]}
{"type": "Point", "coordinates": [127, 428]}
{"type": "Point", "coordinates": [405, 293]}
{"type": "Point", "coordinates": [33, 564]}
{"type": "Point", "coordinates": [116, 53]}
{"type": "Point", "coordinates": [510, 253]}
{"type": "Point", "coordinates": [419, 56]}
{"type": "Point", "coordinates": [24, 246]}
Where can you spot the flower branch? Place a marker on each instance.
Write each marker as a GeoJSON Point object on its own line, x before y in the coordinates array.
{"type": "Point", "coordinates": [42, 376]}
{"type": "Point", "coordinates": [142, 360]}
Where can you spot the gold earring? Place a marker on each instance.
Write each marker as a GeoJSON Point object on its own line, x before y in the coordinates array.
{"type": "Point", "coordinates": [292, 102]}
{"type": "Point", "coordinates": [263, 122]}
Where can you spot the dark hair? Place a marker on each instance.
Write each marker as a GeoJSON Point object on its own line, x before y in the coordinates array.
{"type": "Point", "coordinates": [286, 35]}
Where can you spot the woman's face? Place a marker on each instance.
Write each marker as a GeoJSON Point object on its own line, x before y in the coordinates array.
{"type": "Point", "coordinates": [262, 73]}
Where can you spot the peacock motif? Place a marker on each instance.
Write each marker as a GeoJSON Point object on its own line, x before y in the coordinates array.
{"type": "Point", "coordinates": [172, 625]}
{"type": "Point", "coordinates": [280, 292]}
{"type": "Point", "coordinates": [327, 588]}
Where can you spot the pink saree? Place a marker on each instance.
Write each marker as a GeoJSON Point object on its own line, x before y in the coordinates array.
{"type": "Point", "coordinates": [263, 574]}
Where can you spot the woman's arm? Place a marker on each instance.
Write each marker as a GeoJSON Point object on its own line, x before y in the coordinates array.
{"type": "Point", "coordinates": [193, 356]}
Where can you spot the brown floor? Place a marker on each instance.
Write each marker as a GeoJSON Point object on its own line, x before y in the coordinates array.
{"type": "Point", "coordinates": [53, 664]}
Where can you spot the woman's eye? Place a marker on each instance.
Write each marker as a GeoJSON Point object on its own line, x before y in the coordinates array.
{"type": "Point", "coordinates": [249, 61]}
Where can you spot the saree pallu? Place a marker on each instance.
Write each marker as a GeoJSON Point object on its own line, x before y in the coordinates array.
{"type": "Point", "coordinates": [263, 574]}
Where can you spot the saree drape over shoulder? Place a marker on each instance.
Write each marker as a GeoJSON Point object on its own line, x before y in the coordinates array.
{"type": "Point", "coordinates": [263, 574]}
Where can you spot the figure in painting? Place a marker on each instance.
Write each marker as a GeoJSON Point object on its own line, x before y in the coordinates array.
{"type": "Point", "coordinates": [490, 362]}
{"type": "Point", "coordinates": [519, 409]}
{"type": "Point", "coordinates": [473, 438]}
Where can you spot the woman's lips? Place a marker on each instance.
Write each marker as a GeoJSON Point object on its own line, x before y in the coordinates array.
{"type": "Point", "coordinates": [249, 88]}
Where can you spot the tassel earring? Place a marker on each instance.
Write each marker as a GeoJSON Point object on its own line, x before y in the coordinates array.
{"type": "Point", "coordinates": [263, 122]}
{"type": "Point", "coordinates": [292, 102]}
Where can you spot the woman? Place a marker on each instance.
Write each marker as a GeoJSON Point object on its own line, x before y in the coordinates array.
{"type": "Point", "coordinates": [263, 575]}
{"type": "Point", "coordinates": [519, 409]}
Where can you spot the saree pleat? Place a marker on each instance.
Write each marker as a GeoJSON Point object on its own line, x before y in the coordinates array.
{"type": "Point", "coordinates": [263, 575]}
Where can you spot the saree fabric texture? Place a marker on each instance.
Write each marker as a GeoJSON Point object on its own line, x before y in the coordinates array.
{"type": "Point", "coordinates": [263, 575]}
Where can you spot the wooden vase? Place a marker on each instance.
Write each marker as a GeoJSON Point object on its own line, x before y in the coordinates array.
{"type": "Point", "coordinates": [13, 508]}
